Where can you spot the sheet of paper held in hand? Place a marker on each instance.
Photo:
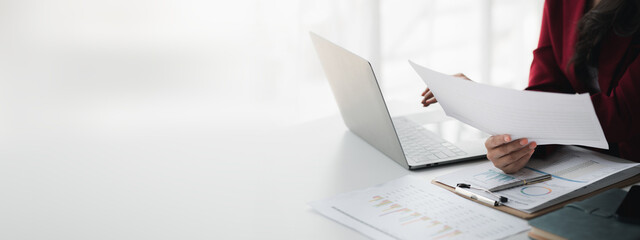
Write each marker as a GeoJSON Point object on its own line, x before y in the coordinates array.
{"type": "Point", "coordinates": [546, 118]}
{"type": "Point", "coordinates": [412, 208]}
{"type": "Point", "coordinates": [576, 171]}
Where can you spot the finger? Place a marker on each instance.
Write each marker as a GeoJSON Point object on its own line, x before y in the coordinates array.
{"type": "Point", "coordinates": [509, 148]}
{"type": "Point", "coordinates": [519, 164]}
{"type": "Point", "coordinates": [425, 92]}
{"type": "Point", "coordinates": [426, 101]}
{"type": "Point", "coordinates": [497, 140]}
{"type": "Point", "coordinates": [428, 95]}
{"type": "Point", "coordinates": [429, 102]}
{"type": "Point", "coordinates": [512, 157]}
{"type": "Point", "coordinates": [460, 75]}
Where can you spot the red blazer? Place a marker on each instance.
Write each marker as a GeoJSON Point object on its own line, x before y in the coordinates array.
{"type": "Point", "coordinates": [618, 104]}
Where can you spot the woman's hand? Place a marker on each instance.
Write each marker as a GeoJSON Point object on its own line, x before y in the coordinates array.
{"type": "Point", "coordinates": [509, 156]}
{"type": "Point", "coordinates": [428, 95]}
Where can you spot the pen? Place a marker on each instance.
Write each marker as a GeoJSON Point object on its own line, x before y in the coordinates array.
{"type": "Point", "coordinates": [477, 197]}
{"type": "Point", "coordinates": [521, 183]}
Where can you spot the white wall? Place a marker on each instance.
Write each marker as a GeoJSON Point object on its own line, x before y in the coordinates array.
{"type": "Point", "coordinates": [109, 67]}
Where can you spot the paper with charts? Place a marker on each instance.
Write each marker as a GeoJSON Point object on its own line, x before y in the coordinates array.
{"type": "Point", "coordinates": [575, 171]}
{"type": "Point", "coordinates": [543, 117]}
{"type": "Point", "coordinates": [412, 208]}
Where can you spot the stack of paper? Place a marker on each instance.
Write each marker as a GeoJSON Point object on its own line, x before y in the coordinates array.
{"type": "Point", "coordinates": [413, 208]}
{"type": "Point", "coordinates": [576, 171]}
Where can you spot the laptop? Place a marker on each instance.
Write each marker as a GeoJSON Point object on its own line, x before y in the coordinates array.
{"type": "Point", "coordinates": [365, 113]}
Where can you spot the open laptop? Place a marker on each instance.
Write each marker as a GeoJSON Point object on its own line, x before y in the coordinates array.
{"type": "Point", "coordinates": [365, 113]}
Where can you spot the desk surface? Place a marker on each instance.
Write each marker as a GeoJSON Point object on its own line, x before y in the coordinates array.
{"type": "Point", "coordinates": [186, 183]}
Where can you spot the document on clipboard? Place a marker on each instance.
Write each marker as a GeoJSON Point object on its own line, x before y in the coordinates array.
{"type": "Point", "coordinates": [576, 171]}
{"type": "Point", "coordinates": [411, 208]}
{"type": "Point", "coordinates": [543, 117]}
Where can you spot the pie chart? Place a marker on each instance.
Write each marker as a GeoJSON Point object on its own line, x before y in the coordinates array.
{"type": "Point", "coordinates": [535, 190]}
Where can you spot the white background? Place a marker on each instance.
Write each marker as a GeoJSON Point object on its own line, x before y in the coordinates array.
{"type": "Point", "coordinates": [186, 119]}
{"type": "Point", "coordinates": [106, 65]}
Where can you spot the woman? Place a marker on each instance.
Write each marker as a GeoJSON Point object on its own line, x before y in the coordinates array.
{"type": "Point", "coordinates": [585, 46]}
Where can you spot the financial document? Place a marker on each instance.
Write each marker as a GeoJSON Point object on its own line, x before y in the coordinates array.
{"type": "Point", "coordinates": [546, 118]}
{"type": "Point", "coordinates": [575, 171]}
{"type": "Point", "coordinates": [412, 208]}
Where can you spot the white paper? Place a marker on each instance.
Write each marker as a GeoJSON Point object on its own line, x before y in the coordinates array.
{"type": "Point", "coordinates": [412, 208]}
{"type": "Point", "coordinates": [575, 172]}
{"type": "Point", "coordinates": [546, 118]}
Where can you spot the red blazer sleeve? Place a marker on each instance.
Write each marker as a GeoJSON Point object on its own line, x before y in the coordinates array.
{"type": "Point", "coordinates": [545, 75]}
{"type": "Point", "coordinates": [619, 111]}
{"type": "Point", "coordinates": [618, 104]}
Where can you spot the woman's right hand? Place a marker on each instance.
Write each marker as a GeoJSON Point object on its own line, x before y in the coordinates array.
{"type": "Point", "coordinates": [428, 95]}
{"type": "Point", "coordinates": [507, 155]}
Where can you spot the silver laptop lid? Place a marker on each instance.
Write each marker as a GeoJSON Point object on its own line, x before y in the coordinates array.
{"type": "Point", "coordinates": [359, 98]}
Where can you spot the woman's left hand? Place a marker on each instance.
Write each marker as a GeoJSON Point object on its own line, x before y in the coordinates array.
{"type": "Point", "coordinates": [428, 95]}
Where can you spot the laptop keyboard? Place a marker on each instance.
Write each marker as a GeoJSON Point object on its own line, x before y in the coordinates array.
{"type": "Point", "coordinates": [422, 145]}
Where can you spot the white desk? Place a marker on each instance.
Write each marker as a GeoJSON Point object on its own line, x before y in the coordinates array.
{"type": "Point", "coordinates": [187, 183]}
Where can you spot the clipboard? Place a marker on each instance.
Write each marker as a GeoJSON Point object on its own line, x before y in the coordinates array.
{"type": "Point", "coordinates": [527, 216]}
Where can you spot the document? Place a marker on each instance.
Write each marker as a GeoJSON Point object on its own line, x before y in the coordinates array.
{"type": "Point", "coordinates": [546, 118]}
{"type": "Point", "coordinates": [575, 171]}
{"type": "Point", "coordinates": [412, 208]}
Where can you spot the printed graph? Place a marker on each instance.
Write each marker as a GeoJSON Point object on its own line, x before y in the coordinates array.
{"type": "Point", "coordinates": [577, 170]}
{"type": "Point", "coordinates": [382, 203]}
{"type": "Point", "coordinates": [407, 221]}
{"type": "Point", "coordinates": [376, 198]}
{"type": "Point", "coordinates": [448, 235]}
{"type": "Point", "coordinates": [402, 210]}
{"type": "Point", "coordinates": [411, 208]}
{"type": "Point", "coordinates": [535, 190]}
{"type": "Point", "coordinates": [493, 177]}
{"type": "Point", "coordinates": [577, 167]}
{"type": "Point", "coordinates": [409, 218]}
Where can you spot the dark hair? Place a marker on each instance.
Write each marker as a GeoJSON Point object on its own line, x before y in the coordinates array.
{"type": "Point", "coordinates": [620, 16]}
